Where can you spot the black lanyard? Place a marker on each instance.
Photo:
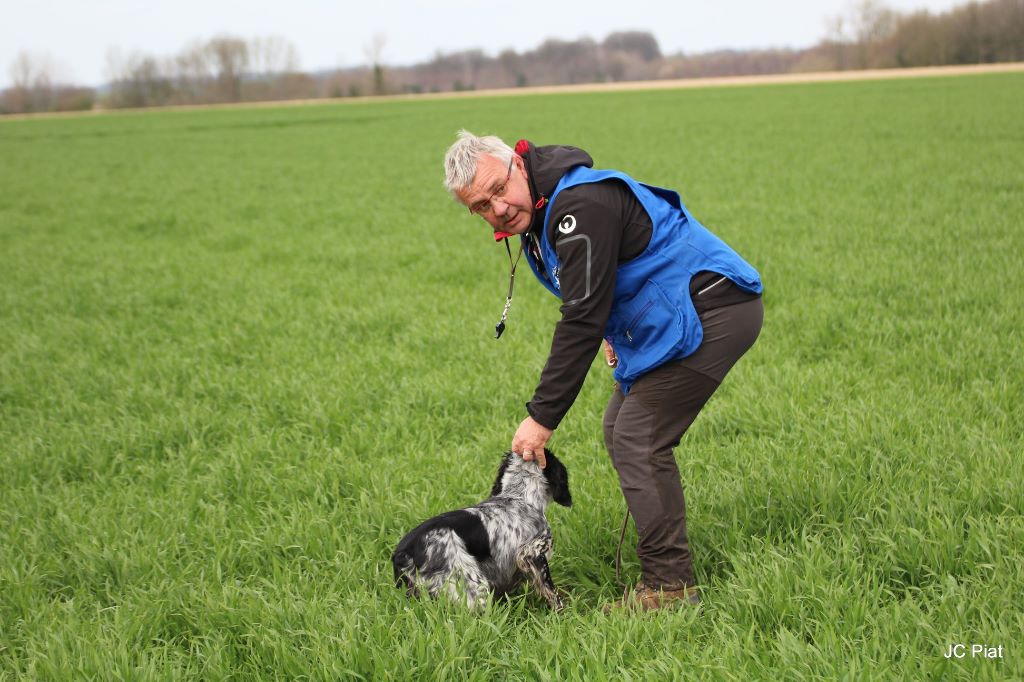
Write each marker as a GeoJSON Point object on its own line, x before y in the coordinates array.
{"type": "Point", "coordinates": [500, 327]}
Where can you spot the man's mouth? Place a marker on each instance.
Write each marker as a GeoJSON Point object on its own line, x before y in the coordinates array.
{"type": "Point", "coordinates": [502, 232]}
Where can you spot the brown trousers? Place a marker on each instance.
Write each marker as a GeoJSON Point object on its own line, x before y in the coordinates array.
{"type": "Point", "coordinates": [641, 430]}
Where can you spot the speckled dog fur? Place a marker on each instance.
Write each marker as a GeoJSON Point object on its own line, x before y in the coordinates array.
{"type": "Point", "coordinates": [492, 547]}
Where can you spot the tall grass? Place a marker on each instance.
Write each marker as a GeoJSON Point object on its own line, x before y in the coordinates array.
{"type": "Point", "coordinates": [243, 351]}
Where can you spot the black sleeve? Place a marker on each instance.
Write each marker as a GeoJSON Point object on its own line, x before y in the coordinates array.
{"type": "Point", "coordinates": [586, 229]}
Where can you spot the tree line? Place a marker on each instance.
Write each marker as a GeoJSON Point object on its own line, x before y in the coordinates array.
{"type": "Point", "coordinates": [230, 69]}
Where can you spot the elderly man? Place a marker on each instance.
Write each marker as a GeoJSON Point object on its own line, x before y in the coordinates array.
{"type": "Point", "coordinates": [675, 305]}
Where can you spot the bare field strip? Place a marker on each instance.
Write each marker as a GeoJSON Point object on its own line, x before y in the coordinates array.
{"type": "Point", "coordinates": [770, 79]}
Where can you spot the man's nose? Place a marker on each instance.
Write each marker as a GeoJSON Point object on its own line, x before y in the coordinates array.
{"type": "Point", "coordinates": [495, 203]}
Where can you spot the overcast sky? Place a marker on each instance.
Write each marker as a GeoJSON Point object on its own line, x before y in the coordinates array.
{"type": "Point", "coordinates": [77, 34]}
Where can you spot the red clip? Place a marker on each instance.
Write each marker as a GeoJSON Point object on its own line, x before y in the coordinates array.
{"type": "Point", "coordinates": [541, 203]}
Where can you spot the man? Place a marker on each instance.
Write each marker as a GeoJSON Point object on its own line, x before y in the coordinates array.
{"type": "Point", "coordinates": [676, 306]}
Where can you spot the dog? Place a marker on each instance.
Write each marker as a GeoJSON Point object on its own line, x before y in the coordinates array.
{"type": "Point", "coordinates": [492, 547]}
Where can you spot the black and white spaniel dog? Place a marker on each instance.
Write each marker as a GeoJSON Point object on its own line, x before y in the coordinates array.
{"type": "Point", "coordinates": [490, 547]}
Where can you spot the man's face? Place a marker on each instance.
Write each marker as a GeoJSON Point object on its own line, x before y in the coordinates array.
{"type": "Point", "coordinates": [505, 204]}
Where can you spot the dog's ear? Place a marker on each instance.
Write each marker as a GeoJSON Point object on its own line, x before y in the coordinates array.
{"type": "Point", "coordinates": [558, 479]}
{"type": "Point", "coordinates": [505, 459]}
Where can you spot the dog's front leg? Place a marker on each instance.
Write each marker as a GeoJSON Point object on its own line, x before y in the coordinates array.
{"type": "Point", "coordinates": [532, 559]}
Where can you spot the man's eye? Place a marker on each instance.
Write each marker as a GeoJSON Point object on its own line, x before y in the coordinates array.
{"type": "Point", "coordinates": [500, 191]}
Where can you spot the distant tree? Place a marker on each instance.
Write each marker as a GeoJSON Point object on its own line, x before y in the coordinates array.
{"type": "Point", "coordinates": [986, 32]}
{"type": "Point", "coordinates": [270, 55]}
{"type": "Point", "coordinates": [23, 70]}
{"type": "Point", "coordinates": [194, 74]}
{"type": "Point", "coordinates": [512, 68]}
{"type": "Point", "coordinates": [564, 61]}
{"type": "Point", "coordinates": [230, 59]}
{"type": "Point", "coordinates": [917, 41]}
{"type": "Point", "coordinates": [466, 67]}
{"type": "Point", "coordinates": [473, 64]}
{"type": "Point", "coordinates": [374, 51]}
{"type": "Point", "coordinates": [976, 32]}
{"type": "Point", "coordinates": [138, 80]}
{"type": "Point", "coordinates": [835, 46]}
{"type": "Point", "coordinates": [33, 87]}
{"type": "Point", "coordinates": [36, 88]}
{"type": "Point", "coordinates": [731, 63]}
{"type": "Point", "coordinates": [18, 98]}
{"type": "Point", "coordinates": [274, 72]}
{"type": "Point", "coordinates": [640, 43]}
{"type": "Point", "coordinates": [873, 22]}
{"type": "Point", "coordinates": [1007, 25]}
{"type": "Point", "coordinates": [70, 98]}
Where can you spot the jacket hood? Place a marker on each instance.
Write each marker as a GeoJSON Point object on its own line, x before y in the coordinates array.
{"type": "Point", "coordinates": [545, 166]}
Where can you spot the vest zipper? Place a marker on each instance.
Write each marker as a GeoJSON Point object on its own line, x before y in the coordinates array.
{"type": "Point", "coordinates": [636, 318]}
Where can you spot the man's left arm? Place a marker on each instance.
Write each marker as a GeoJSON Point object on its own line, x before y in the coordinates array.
{"type": "Point", "coordinates": [586, 235]}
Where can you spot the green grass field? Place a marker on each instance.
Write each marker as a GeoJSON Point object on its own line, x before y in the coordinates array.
{"type": "Point", "coordinates": [243, 351]}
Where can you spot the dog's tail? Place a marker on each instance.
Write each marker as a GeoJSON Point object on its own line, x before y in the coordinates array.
{"type": "Point", "coordinates": [404, 566]}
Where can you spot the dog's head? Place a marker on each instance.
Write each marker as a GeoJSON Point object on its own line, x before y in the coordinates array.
{"type": "Point", "coordinates": [554, 475]}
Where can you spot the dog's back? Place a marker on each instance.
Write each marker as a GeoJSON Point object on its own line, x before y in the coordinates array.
{"type": "Point", "coordinates": [435, 544]}
{"type": "Point", "coordinates": [444, 554]}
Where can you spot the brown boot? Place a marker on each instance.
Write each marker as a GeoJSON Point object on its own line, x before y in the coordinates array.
{"type": "Point", "coordinates": [644, 598]}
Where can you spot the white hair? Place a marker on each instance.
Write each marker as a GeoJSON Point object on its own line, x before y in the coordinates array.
{"type": "Point", "coordinates": [461, 159]}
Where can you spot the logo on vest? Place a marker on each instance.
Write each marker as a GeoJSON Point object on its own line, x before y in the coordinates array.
{"type": "Point", "coordinates": [567, 225]}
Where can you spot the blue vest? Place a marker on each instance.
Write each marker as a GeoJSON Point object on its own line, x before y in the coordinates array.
{"type": "Point", "coordinates": [653, 319]}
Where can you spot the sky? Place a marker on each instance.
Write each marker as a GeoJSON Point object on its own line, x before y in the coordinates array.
{"type": "Point", "coordinates": [75, 36]}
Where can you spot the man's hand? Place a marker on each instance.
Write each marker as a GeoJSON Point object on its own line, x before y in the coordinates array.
{"type": "Point", "coordinates": [609, 355]}
{"type": "Point", "coordinates": [530, 440]}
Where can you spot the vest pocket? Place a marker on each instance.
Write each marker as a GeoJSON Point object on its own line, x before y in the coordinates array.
{"type": "Point", "coordinates": [645, 330]}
